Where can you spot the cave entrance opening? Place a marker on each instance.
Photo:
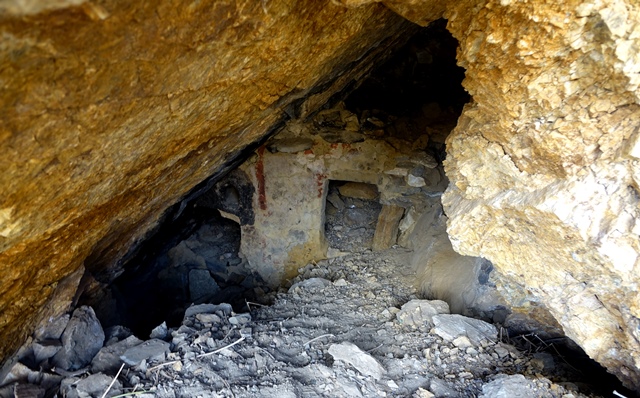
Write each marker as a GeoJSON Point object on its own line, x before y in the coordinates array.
{"type": "Point", "coordinates": [411, 101]}
{"type": "Point", "coordinates": [351, 215]}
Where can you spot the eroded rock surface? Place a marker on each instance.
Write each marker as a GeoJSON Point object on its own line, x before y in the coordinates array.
{"type": "Point", "coordinates": [544, 180]}
{"type": "Point", "coordinates": [113, 111]}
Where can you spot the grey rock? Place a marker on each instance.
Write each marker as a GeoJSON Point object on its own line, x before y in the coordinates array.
{"type": "Point", "coordinates": [107, 360]}
{"type": "Point", "coordinates": [441, 388]}
{"type": "Point", "coordinates": [354, 356]}
{"type": "Point", "coordinates": [53, 329]}
{"type": "Point", "coordinates": [505, 386]}
{"type": "Point", "coordinates": [356, 217]}
{"type": "Point", "coordinates": [81, 340]}
{"type": "Point", "coordinates": [310, 284]}
{"type": "Point", "coordinates": [28, 391]}
{"type": "Point", "coordinates": [291, 145]}
{"type": "Point", "coordinates": [160, 332]}
{"type": "Point", "coordinates": [43, 350]}
{"type": "Point", "coordinates": [451, 326]}
{"type": "Point", "coordinates": [208, 318]}
{"type": "Point", "coordinates": [421, 312]}
{"type": "Point", "coordinates": [93, 386]}
{"type": "Point", "coordinates": [201, 285]}
{"type": "Point", "coordinates": [335, 200]}
{"type": "Point", "coordinates": [150, 350]}
{"type": "Point", "coordinates": [208, 309]}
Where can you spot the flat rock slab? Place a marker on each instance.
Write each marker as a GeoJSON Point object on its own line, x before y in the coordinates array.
{"type": "Point", "coordinates": [91, 386]}
{"type": "Point", "coordinates": [354, 356]}
{"type": "Point", "coordinates": [421, 312]}
{"type": "Point", "coordinates": [208, 309]}
{"type": "Point", "coordinates": [452, 326]}
{"type": "Point", "coordinates": [150, 350]}
{"type": "Point", "coordinates": [81, 340]}
{"type": "Point", "coordinates": [359, 190]}
{"type": "Point", "coordinates": [291, 145]}
{"type": "Point", "coordinates": [107, 360]}
{"type": "Point", "coordinates": [504, 386]}
{"type": "Point", "coordinates": [387, 227]}
{"type": "Point", "coordinates": [311, 284]}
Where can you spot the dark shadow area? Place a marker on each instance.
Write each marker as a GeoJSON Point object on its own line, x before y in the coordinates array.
{"type": "Point", "coordinates": [417, 92]}
{"type": "Point", "coordinates": [191, 259]}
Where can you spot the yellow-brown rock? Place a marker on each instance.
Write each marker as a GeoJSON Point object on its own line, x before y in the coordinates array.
{"type": "Point", "coordinates": [113, 110]}
{"type": "Point", "coordinates": [543, 179]}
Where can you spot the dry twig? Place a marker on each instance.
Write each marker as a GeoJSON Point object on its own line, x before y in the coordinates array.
{"type": "Point", "coordinates": [113, 381]}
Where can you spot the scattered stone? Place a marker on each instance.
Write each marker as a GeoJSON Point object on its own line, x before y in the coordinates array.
{"type": "Point", "coordinates": [240, 319]}
{"type": "Point", "coordinates": [421, 312]}
{"type": "Point", "coordinates": [81, 340]}
{"type": "Point", "coordinates": [208, 318]}
{"type": "Point", "coordinates": [340, 282]}
{"type": "Point", "coordinates": [422, 393]}
{"type": "Point", "coordinates": [359, 190]}
{"type": "Point", "coordinates": [335, 200]}
{"type": "Point", "coordinates": [160, 332]}
{"type": "Point", "coordinates": [311, 284]}
{"type": "Point", "coordinates": [508, 386]}
{"type": "Point", "coordinates": [107, 360]}
{"type": "Point", "coordinates": [451, 326]}
{"type": "Point", "coordinates": [150, 350]}
{"type": "Point", "coordinates": [354, 356]}
{"type": "Point", "coordinates": [93, 386]}
{"type": "Point", "coordinates": [414, 181]}
{"type": "Point", "coordinates": [441, 388]}
{"type": "Point", "coordinates": [208, 309]}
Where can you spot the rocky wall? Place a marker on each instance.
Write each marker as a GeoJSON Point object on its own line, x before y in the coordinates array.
{"type": "Point", "coordinates": [112, 111]}
{"type": "Point", "coordinates": [544, 163]}
{"type": "Point", "coordinates": [290, 176]}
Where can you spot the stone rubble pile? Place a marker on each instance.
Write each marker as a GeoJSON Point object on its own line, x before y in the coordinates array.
{"type": "Point", "coordinates": [349, 326]}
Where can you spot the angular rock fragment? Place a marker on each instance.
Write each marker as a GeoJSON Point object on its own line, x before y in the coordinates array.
{"type": "Point", "coordinates": [451, 326]}
{"type": "Point", "coordinates": [421, 312]}
{"type": "Point", "coordinates": [359, 190]}
{"type": "Point", "coordinates": [387, 227]}
{"type": "Point", "coordinates": [208, 309]}
{"type": "Point", "coordinates": [93, 386]}
{"type": "Point", "coordinates": [81, 340]}
{"type": "Point", "coordinates": [508, 386]}
{"type": "Point", "coordinates": [107, 360]}
{"type": "Point", "coordinates": [354, 356]}
{"type": "Point", "coordinates": [311, 284]}
{"type": "Point", "coordinates": [150, 350]}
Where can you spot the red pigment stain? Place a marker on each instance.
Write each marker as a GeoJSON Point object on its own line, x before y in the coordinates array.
{"type": "Point", "coordinates": [262, 196]}
{"type": "Point", "coordinates": [334, 146]}
{"type": "Point", "coordinates": [346, 146]}
{"type": "Point", "coordinates": [320, 183]}
{"type": "Point", "coordinates": [308, 152]}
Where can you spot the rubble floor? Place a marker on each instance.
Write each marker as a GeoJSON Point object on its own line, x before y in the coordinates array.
{"type": "Point", "coordinates": [282, 350]}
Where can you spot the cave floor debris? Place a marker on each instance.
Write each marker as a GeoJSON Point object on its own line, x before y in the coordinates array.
{"type": "Point", "coordinates": [340, 330]}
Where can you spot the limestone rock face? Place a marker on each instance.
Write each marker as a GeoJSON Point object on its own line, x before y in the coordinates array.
{"type": "Point", "coordinates": [113, 110]}
{"type": "Point", "coordinates": [544, 164]}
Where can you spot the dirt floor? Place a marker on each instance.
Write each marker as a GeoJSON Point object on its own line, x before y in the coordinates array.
{"type": "Point", "coordinates": [293, 347]}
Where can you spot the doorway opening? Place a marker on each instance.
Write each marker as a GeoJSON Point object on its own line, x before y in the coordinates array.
{"type": "Point", "coordinates": [351, 215]}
